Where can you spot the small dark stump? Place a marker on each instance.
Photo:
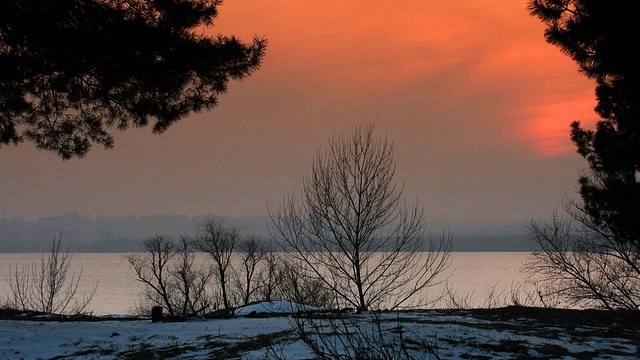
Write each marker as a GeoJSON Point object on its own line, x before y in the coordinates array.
{"type": "Point", "coordinates": [156, 314]}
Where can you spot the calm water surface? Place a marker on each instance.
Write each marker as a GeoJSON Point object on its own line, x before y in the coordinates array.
{"type": "Point", "coordinates": [474, 275]}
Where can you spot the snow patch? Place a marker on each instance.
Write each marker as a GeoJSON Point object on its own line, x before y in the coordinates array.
{"type": "Point", "coordinates": [273, 307]}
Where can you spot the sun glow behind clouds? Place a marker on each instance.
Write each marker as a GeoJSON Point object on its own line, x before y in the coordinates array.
{"type": "Point", "coordinates": [366, 41]}
{"type": "Point", "coordinates": [444, 52]}
{"type": "Point", "coordinates": [476, 102]}
{"type": "Point", "coordinates": [547, 129]}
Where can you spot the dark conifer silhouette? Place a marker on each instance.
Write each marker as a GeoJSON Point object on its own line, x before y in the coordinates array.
{"type": "Point", "coordinates": [596, 35]}
{"type": "Point", "coordinates": [72, 70]}
{"type": "Point", "coordinates": [597, 262]}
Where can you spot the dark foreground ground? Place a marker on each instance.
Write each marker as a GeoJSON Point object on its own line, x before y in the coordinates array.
{"type": "Point", "coordinates": [503, 333]}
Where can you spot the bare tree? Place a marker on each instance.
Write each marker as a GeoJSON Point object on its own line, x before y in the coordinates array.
{"type": "Point", "coordinates": [170, 277]}
{"type": "Point", "coordinates": [253, 251]}
{"type": "Point", "coordinates": [269, 276]}
{"type": "Point", "coordinates": [365, 336]}
{"type": "Point", "coordinates": [219, 240]}
{"type": "Point", "coordinates": [352, 230]}
{"type": "Point", "coordinates": [152, 270]}
{"type": "Point", "coordinates": [49, 286]}
{"type": "Point", "coordinates": [582, 263]}
{"type": "Point", "coordinates": [281, 278]}
{"type": "Point", "coordinates": [191, 281]}
{"type": "Point", "coordinates": [294, 286]}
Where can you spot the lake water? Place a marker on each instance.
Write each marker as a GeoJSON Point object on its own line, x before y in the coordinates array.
{"type": "Point", "coordinates": [473, 275]}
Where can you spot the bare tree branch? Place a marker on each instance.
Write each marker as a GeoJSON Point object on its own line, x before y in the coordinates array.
{"type": "Point", "coordinates": [351, 230]}
{"type": "Point", "coordinates": [49, 286]}
{"type": "Point", "coordinates": [219, 240]}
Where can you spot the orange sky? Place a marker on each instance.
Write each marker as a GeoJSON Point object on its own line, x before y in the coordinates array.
{"type": "Point", "coordinates": [477, 103]}
{"type": "Point", "coordinates": [358, 48]}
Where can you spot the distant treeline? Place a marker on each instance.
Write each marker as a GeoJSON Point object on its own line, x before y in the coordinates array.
{"type": "Point", "coordinates": [107, 233]}
{"type": "Point", "coordinates": [125, 233]}
{"type": "Point", "coordinates": [469, 243]}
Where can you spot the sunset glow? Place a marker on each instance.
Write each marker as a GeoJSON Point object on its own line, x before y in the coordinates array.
{"type": "Point", "coordinates": [490, 47]}
{"type": "Point", "coordinates": [547, 130]}
{"type": "Point", "coordinates": [477, 103]}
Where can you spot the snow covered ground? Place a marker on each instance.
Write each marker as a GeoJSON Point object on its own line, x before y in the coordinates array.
{"type": "Point", "coordinates": [269, 330]}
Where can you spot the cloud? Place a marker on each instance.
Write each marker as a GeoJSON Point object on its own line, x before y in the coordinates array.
{"type": "Point", "coordinates": [468, 90]}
